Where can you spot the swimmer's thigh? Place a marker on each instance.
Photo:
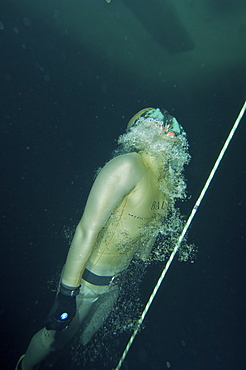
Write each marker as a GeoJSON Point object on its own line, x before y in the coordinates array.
{"type": "Point", "coordinates": [99, 314]}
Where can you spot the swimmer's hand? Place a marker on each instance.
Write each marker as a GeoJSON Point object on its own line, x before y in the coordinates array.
{"type": "Point", "coordinates": [63, 310]}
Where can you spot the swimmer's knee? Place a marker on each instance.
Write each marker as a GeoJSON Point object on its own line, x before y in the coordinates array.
{"type": "Point", "coordinates": [47, 339]}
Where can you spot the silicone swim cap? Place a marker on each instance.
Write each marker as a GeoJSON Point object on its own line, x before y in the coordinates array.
{"type": "Point", "coordinates": [171, 127]}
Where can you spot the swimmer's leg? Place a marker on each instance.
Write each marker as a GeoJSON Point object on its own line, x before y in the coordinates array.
{"type": "Point", "coordinates": [99, 314]}
{"type": "Point", "coordinates": [46, 342]}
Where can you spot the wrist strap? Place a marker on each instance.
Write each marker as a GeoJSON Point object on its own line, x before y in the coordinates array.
{"type": "Point", "coordinates": [69, 292]}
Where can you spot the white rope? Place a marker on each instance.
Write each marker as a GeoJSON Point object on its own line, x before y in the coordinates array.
{"type": "Point", "coordinates": [192, 214]}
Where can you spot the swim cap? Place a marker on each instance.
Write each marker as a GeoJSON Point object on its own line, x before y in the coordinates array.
{"type": "Point", "coordinates": [162, 117]}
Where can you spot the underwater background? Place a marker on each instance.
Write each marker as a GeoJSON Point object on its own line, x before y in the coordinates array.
{"type": "Point", "coordinates": [72, 73]}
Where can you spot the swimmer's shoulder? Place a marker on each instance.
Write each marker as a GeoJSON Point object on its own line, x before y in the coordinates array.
{"type": "Point", "coordinates": [129, 165]}
{"type": "Point", "coordinates": [131, 160]}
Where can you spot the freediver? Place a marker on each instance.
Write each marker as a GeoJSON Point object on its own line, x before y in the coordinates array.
{"type": "Point", "coordinates": [126, 208]}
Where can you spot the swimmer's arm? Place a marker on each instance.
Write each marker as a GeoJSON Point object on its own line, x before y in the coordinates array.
{"type": "Point", "coordinates": [114, 182]}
